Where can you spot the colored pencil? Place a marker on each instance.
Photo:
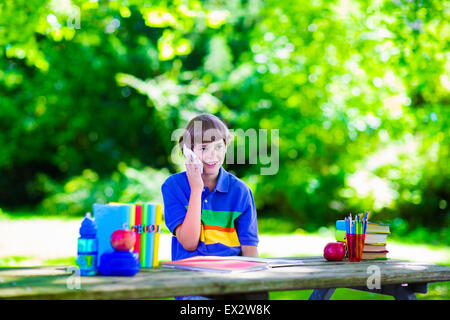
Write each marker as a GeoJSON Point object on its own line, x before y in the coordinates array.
{"type": "Point", "coordinates": [357, 225]}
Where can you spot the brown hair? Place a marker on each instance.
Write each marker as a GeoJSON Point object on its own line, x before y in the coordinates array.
{"type": "Point", "coordinates": [211, 129]}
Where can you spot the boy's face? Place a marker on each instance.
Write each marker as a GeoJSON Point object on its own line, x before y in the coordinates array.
{"type": "Point", "coordinates": [212, 154]}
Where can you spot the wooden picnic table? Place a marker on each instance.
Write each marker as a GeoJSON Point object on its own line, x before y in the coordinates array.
{"type": "Point", "coordinates": [400, 279]}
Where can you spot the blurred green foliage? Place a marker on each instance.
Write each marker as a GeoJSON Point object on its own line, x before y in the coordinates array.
{"type": "Point", "coordinates": [358, 89]}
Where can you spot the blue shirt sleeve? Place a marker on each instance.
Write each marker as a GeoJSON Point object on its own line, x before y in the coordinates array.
{"type": "Point", "coordinates": [174, 210]}
{"type": "Point", "coordinates": [246, 224]}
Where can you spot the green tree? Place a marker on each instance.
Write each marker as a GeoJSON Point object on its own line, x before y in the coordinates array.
{"type": "Point", "coordinates": [359, 91]}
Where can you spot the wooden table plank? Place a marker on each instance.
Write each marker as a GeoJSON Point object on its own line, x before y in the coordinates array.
{"type": "Point", "coordinates": [52, 283]}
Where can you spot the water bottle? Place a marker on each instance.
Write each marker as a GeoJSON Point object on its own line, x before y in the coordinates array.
{"type": "Point", "coordinates": [87, 247]}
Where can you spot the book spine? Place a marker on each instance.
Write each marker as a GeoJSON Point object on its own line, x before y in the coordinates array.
{"type": "Point", "coordinates": [144, 240]}
{"type": "Point", "coordinates": [158, 220]}
{"type": "Point", "coordinates": [138, 226]}
{"type": "Point", "coordinates": [151, 209]}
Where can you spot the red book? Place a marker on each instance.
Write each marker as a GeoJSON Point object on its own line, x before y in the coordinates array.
{"type": "Point", "coordinates": [375, 255]}
{"type": "Point", "coordinates": [138, 223]}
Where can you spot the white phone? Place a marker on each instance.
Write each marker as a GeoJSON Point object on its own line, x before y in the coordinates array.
{"type": "Point", "coordinates": [193, 158]}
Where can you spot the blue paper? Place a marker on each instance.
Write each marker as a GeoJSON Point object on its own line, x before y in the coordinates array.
{"type": "Point", "coordinates": [109, 218]}
{"type": "Point", "coordinates": [340, 225]}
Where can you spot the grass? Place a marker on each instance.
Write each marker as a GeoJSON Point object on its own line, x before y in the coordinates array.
{"type": "Point", "coordinates": [17, 261]}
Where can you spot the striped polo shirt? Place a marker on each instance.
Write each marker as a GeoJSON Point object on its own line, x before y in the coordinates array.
{"type": "Point", "coordinates": [228, 218]}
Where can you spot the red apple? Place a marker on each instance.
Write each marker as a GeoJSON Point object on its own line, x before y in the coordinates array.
{"type": "Point", "coordinates": [123, 240]}
{"type": "Point", "coordinates": [334, 251]}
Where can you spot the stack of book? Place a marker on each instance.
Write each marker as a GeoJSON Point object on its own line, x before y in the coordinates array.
{"type": "Point", "coordinates": [376, 237]}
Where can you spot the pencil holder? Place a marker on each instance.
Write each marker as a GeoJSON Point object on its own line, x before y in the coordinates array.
{"type": "Point", "coordinates": [355, 246]}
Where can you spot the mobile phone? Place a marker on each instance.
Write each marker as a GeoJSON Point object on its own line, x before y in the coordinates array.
{"type": "Point", "coordinates": [189, 154]}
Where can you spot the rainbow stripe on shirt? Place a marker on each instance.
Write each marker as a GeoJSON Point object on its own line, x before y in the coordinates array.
{"type": "Point", "coordinates": [218, 227]}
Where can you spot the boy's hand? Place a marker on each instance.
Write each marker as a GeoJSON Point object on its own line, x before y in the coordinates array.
{"type": "Point", "coordinates": [194, 176]}
{"type": "Point", "coordinates": [249, 251]}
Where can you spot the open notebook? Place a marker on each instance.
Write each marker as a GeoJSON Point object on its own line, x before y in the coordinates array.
{"type": "Point", "coordinates": [229, 263]}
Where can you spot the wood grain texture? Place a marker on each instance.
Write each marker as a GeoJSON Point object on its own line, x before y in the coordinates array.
{"type": "Point", "coordinates": [52, 282]}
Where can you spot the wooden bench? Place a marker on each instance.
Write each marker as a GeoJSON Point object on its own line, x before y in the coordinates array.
{"type": "Point", "coordinates": [400, 279]}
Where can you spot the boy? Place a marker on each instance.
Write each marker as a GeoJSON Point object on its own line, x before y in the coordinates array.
{"type": "Point", "coordinates": [209, 213]}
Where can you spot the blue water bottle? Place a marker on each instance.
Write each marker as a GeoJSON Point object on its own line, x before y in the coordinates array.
{"type": "Point", "coordinates": [87, 247]}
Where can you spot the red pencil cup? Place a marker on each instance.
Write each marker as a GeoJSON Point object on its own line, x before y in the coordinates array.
{"type": "Point", "coordinates": [355, 246]}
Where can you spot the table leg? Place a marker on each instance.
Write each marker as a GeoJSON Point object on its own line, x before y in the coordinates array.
{"type": "Point", "coordinates": [403, 293]}
{"type": "Point", "coordinates": [322, 294]}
